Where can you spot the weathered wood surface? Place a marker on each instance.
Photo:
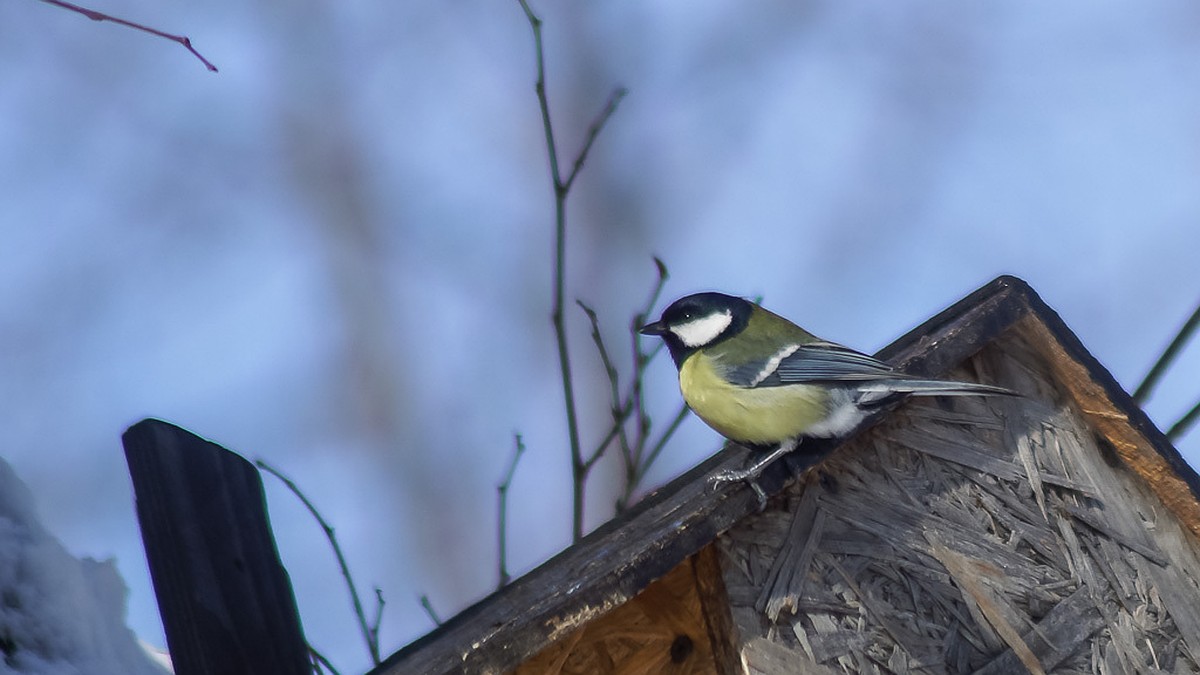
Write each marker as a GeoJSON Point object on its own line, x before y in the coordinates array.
{"type": "Point", "coordinates": [225, 598]}
{"type": "Point", "coordinates": [970, 536]}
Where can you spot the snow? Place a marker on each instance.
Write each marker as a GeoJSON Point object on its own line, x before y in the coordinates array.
{"type": "Point", "coordinates": [59, 615]}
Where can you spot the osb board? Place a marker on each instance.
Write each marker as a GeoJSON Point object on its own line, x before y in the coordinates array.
{"type": "Point", "coordinates": [969, 535]}
{"type": "Point", "coordinates": [1105, 415]}
{"type": "Point", "coordinates": [663, 629]}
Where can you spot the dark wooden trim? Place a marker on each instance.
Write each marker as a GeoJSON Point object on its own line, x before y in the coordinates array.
{"type": "Point", "coordinates": [225, 598]}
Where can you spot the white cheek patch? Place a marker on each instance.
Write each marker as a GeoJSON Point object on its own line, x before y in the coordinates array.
{"type": "Point", "coordinates": [699, 332]}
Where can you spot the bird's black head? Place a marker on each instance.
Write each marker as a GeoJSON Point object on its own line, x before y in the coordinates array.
{"type": "Point", "coordinates": [699, 320]}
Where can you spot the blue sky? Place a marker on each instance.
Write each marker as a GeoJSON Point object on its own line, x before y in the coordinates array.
{"type": "Point", "coordinates": [335, 254]}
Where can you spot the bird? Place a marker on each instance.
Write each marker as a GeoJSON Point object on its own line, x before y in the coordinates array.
{"type": "Point", "coordinates": [762, 381]}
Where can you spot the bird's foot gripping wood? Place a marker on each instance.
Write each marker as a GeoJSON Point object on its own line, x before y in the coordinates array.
{"type": "Point", "coordinates": [750, 474]}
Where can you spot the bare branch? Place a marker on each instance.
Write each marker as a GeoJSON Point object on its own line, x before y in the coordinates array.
{"type": "Point", "coordinates": [1180, 428]}
{"type": "Point", "coordinates": [379, 603]}
{"type": "Point", "coordinates": [620, 412]}
{"type": "Point", "coordinates": [428, 607]}
{"type": "Point", "coordinates": [579, 466]}
{"type": "Point", "coordinates": [1168, 355]}
{"type": "Point", "coordinates": [640, 361]}
{"type": "Point", "coordinates": [680, 416]}
{"type": "Point", "coordinates": [502, 518]}
{"type": "Point", "coordinates": [320, 663]}
{"type": "Point", "coordinates": [614, 99]}
{"type": "Point", "coordinates": [101, 16]}
{"type": "Point", "coordinates": [371, 635]}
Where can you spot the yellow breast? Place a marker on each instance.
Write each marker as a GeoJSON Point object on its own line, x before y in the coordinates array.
{"type": "Point", "coordinates": [761, 415]}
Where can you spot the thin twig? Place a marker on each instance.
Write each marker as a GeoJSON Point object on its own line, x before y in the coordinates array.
{"type": "Point", "coordinates": [614, 100]}
{"type": "Point", "coordinates": [379, 603]}
{"type": "Point", "coordinates": [644, 467]}
{"type": "Point", "coordinates": [369, 634]}
{"type": "Point", "coordinates": [1168, 355]}
{"type": "Point", "coordinates": [101, 16]}
{"type": "Point", "coordinates": [623, 406]}
{"type": "Point", "coordinates": [631, 404]}
{"type": "Point", "coordinates": [579, 467]}
{"type": "Point", "coordinates": [616, 428]}
{"type": "Point", "coordinates": [640, 361]}
{"type": "Point", "coordinates": [318, 661]}
{"type": "Point", "coordinates": [620, 412]}
{"type": "Point", "coordinates": [641, 469]}
{"type": "Point", "coordinates": [633, 453]}
{"type": "Point", "coordinates": [428, 606]}
{"type": "Point", "coordinates": [640, 318]}
{"type": "Point", "coordinates": [502, 518]}
{"type": "Point", "coordinates": [1180, 428]}
{"type": "Point", "coordinates": [560, 330]}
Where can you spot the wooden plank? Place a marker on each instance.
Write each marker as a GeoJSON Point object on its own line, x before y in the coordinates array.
{"type": "Point", "coordinates": [225, 598]}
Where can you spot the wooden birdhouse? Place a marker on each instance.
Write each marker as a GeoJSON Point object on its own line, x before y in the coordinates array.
{"type": "Point", "coordinates": [1052, 532]}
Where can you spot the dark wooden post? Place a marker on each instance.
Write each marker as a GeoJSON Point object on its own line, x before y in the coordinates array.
{"type": "Point", "coordinates": [226, 600]}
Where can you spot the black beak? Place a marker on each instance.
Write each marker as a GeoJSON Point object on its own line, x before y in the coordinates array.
{"type": "Point", "coordinates": [656, 328]}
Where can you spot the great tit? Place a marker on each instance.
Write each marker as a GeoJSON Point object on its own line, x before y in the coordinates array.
{"type": "Point", "coordinates": [761, 380]}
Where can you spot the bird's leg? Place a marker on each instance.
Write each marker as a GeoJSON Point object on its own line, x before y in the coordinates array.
{"type": "Point", "coordinates": [751, 474]}
{"type": "Point", "coordinates": [755, 470]}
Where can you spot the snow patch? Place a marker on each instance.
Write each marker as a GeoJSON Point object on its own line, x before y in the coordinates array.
{"type": "Point", "coordinates": [59, 615]}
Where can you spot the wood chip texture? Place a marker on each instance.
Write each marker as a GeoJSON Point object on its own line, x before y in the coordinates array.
{"type": "Point", "coordinates": [968, 535]}
{"type": "Point", "coordinates": [662, 630]}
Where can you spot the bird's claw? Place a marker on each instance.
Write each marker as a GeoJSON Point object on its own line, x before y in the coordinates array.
{"type": "Point", "coordinates": [748, 477]}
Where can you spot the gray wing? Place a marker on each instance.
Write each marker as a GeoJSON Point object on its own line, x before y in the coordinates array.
{"type": "Point", "coordinates": [812, 363]}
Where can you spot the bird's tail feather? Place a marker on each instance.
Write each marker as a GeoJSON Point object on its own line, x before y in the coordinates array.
{"type": "Point", "coordinates": [934, 388]}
